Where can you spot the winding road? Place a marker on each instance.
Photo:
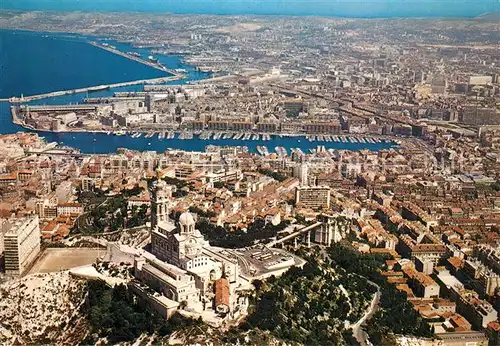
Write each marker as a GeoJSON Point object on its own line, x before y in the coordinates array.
{"type": "Point", "coordinates": [359, 334]}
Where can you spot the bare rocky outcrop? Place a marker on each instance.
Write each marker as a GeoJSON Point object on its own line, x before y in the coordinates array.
{"type": "Point", "coordinates": [42, 309]}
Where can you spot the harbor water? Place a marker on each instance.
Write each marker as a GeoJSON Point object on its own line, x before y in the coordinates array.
{"type": "Point", "coordinates": [35, 62]}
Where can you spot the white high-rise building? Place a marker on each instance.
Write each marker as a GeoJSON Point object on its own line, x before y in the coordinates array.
{"type": "Point", "coordinates": [302, 173]}
{"type": "Point", "coordinates": [21, 244]}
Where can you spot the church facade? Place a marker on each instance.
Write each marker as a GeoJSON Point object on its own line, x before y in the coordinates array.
{"type": "Point", "coordinates": [182, 264]}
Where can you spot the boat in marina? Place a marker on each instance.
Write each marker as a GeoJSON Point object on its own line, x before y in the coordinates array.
{"type": "Point", "coordinates": [137, 55]}
{"type": "Point", "coordinates": [281, 151]}
{"type": "Point", "coordinates": [153, 59]}
{"type": "Point", "coordinates": [205, 135]}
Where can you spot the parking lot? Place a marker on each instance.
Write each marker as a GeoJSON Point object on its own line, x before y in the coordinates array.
{"type": "Point", "coordinates": [57, 259]}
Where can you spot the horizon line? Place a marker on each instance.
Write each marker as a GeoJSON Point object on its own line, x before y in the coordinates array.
{"type": "Point", "coordinates": [269, 14]}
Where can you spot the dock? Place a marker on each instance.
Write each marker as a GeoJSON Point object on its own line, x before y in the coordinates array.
{"type": "Point", "coordinates": [137, 59]}
{"type": "Point", "coordinates": [91, 89]}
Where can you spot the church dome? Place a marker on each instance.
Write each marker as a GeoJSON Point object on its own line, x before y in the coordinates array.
{"type": "Point", "coordinates": [186, 219]}
{"type": "Point", "coordinates": [191, 247]}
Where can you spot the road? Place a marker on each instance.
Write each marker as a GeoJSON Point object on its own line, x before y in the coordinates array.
{"type": "Point", "coordinates": [357, 330]}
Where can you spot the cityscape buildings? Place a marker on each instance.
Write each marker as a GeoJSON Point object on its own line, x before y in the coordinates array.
{"type": "Point", "coordinates": [305, 137]}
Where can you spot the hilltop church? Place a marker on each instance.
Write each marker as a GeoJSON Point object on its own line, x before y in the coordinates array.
{"type": "Point", "coordinates": [182, 264]}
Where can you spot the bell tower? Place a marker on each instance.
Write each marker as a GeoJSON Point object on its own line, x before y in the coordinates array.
{"type": "Point", "coordinates": [160, 198]}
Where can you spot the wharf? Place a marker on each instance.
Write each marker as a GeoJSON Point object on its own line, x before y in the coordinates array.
{"type": "Point", "coordinates": [92, 88]}
{"type": "Point", "coordinates": [138, 59]}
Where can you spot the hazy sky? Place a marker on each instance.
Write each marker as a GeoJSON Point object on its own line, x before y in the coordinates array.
{"type": "Point", "coordinates": [351, 8]}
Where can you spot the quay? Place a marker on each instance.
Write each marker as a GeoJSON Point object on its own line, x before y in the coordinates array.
{"type": "Point", "coordinates": [92, 88]}
{"type": "Point", "coordinates": [57, 152]}
{"type": "Point", "coordinates": [137, 59]}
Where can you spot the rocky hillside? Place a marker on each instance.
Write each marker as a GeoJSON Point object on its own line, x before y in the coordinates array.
{"type": "Point", "coordinates": [42, 309]}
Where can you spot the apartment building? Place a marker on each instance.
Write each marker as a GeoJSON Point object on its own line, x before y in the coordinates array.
{"type": "Point", "coordinates": [21, 243]}
{"type": "Point", "coordinates": [69, 209]}
{"type": "Point", "coordinates": [314, 197]}
{"type": "Point", "coordinates": [422, 284]}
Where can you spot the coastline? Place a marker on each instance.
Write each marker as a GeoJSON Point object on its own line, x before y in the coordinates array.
{"type": "Point", "coordinates": [107, 141]}
{"type": "Point", "coordinates": [126, 131]}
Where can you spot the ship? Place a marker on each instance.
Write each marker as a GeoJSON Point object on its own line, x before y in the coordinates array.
{"type": "Point", "coordinates": [153, 59]}
{"type": "Point", "coordinates": [137, 55]}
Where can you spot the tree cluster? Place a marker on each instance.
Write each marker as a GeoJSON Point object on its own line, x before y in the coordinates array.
{"type": "Point", "coordinates": [135, 191]}
{"type": "Point", "coordinates": [256, 232]}
{"type": "Point", "coordinates": [396, 315]}
{"type": "Point", "coordinates": [117, 315]}
{"type": "Point", "coordinates": [181, 186]}
{"type": "Point", "coordinates": [496, 186]}
{"type": "Point", "coordinates": [202, 213]}
{"type": "Point", "coordinates": [306, 305]}
{"type": "Point", "coordinates": [275, 175]}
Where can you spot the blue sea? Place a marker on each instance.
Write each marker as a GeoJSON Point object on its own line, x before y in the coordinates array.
{"type": "Point", "coordinates": [341, 8]}
{"type": "Point", "coordinates": [35, 62]}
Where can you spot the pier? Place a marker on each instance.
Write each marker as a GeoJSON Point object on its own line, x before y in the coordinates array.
{"type": "Point", "coordinates": [138, 59]}
{"type": "Point", "coordinates": [57, 152]}
{"type": "Point", "coordinates": [91, 89]}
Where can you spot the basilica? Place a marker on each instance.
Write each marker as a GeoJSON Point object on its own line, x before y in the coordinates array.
{"type": "Point", "coordinates": [181, 263]}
